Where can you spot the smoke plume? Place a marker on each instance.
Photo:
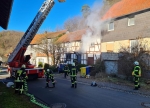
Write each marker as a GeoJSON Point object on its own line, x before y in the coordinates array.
{"type": "Point", "coordinates": [94, 24]}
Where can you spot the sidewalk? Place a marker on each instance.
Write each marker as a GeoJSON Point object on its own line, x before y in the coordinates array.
{"type": "Point", "coordinates": [110, 86]}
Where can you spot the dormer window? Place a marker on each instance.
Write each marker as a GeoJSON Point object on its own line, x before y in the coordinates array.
{"type": "Point", "coordinates": [131, 21]}
{"type": "Point", "coordinates": [111, 26]}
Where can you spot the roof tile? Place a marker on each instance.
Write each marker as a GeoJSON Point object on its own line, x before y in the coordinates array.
{"type": "Point", "coordinates": [72, 36]}
{"type": "Point", "coordinates": [38, 37]}
{"type": "Point", "coordinates": [126, 7]}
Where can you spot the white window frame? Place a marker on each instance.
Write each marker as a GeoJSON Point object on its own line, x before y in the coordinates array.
{"type": "Point", "coordinates": [133, 43]}
{"type": "Point", "coordinates": [41, 60]}
{"type": "Point", "coordinates": [131, 19]}
{"type": "Point", "coordinates": [112, 26]}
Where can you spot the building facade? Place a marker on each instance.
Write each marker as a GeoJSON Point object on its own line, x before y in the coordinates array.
{"type": "Point", "coordinates": [127, 23]}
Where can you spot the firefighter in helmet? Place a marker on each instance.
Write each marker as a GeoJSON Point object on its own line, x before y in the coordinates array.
{"type": "Point", "coordinates": [20, 79]}
{"type": "Point", "coordinates": [66, 70]}
{"type": "Point", "coordinates": [73, 76]}
{"type": "Point", "coordinates": [49, 77]}
{"type": "Point", "coordinates": [137, 74]}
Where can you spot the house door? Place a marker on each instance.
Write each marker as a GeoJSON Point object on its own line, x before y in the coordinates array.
{"type": "Point", "coordinates": [90, 61]}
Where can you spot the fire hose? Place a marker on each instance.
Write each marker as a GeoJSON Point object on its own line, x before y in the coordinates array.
{"type": "Point", "coordinates": [32, 98]}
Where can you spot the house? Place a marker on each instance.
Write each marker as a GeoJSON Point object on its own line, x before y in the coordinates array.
{"type": "Point", "coordinates": [72, 43]}
{"type": "Point", "coordinates": [70, 48]}
{"type": "Point", "coordinates": [34, 48]}
{"type": "Point", "coordinates": [127, 20]}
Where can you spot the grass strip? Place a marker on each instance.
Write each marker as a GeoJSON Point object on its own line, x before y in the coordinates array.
{"type": "Point", "coordinates": [8, 99]}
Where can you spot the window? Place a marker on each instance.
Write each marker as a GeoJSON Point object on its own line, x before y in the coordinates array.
{"type": "Point", "coordinates": [92, 44]}
{"type": "Point", "coordinates": [131, 21]}
{"type": "Point", "coordinates": [111, 26]}
{"type": "Point", "coordinates": [133, 46]}
{"type": "Point", "coordinates": [41, 60]}
{"type": "Point", "coordinates": [68, 56]}
{"type": "Point", "coordinates": [110, 46]}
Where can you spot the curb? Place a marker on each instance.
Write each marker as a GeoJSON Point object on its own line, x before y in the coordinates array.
{"type": "Point", "coordinates": [114, 88]}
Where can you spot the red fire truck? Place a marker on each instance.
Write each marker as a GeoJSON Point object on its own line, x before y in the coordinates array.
{"type": "Point", "coordinates": [17, 58]}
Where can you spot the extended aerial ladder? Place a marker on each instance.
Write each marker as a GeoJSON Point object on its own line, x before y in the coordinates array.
{"type": "Point", "coordinates": [17, 58]}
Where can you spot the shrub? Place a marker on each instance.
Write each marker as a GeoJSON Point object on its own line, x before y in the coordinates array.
{"type": "Point", "coordinates": [40, 64]}
{"type": "Point", "coordinates": [128, 55]}
{"type": "Point", "coordinates": [80, 65]}
{"type": "Point", "coordinates": [46, 66]}
{"type": "Point", "coordinates": [53, 68]}
{"type": "Point", "coordinates": [98, 67]}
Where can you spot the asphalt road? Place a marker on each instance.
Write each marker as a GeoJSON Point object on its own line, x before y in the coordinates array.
{"type": "Point", "coordinates": [84, 96]}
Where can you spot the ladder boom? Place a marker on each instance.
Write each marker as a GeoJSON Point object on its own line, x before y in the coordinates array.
{"type": "Point", "coordinates": [33, 28]}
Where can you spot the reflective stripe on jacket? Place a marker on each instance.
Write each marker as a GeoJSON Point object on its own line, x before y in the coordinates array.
{"type": "Point", "coordinates": [137, 71]}
{"type": "Point", "coordinates": [73, 72]}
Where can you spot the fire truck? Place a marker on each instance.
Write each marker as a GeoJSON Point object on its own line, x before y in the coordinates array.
{"type": "Point", "coordinates": [17, 58]}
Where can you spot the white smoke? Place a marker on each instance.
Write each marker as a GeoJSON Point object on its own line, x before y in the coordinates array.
{"type": "Point", "coordinates": [93, 34]}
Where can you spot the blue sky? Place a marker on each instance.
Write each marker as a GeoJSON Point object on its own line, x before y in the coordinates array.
{"type": "Point", "coordinates": [24, 11]}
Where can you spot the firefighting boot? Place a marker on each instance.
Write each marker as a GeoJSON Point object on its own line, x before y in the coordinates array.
{"type": "Point", "coordinates": [75, 85]}
{"type": "Point", "coordinates": [136, 88]}
{"type": "Point", "coordinates": [72, 86]}
{"type": "Point", "coordinates": [53, 85]}
{"type": "Point", "coordinates": [47, 86]}
{"type": "Point", "coordinates": [139, 86]}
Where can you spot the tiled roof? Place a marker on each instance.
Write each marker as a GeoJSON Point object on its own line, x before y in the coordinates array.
{"type": "Point", "coordinates": [126, 7]}
{"type": "Point", "coordinates": [38, 37]}
{"type": "Point", "coordinates": [41, 55]}
{"type": "Point", "coordinates": [72, 36]}
{"type": "Point", "coordinates": [55, 34]}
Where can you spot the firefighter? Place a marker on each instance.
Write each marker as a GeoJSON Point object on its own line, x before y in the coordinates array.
{"type": "Point", "coordinates": [66, 70]}
{"type": "Point", "coordinates": [73, 76]}
{"type": "Point", "coordinates": [49, 76]}
{"type": "Point", "coordinates": [137, 74]}
{"type": "Point", "coordinates": [20, 78]}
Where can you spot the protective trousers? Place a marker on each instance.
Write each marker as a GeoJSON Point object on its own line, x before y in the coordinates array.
{"type": "Point", "coordinates": [53, 81]}
{"type": "Point", "coordinates": [47, 81]}
{"type": "Point", "coordinates": [136, 82]}
{"type": "Point", "coordinates": [65, 73]}
{"type": "Point", "coordinates": [74, 81]}
{"type": "Point", "coordinates": [19, 87]}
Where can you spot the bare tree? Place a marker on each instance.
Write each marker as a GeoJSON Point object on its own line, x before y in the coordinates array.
{"type": "Point", "coordinates": [59, 28]}
{"type": "Point", "coordinates": [110, 2]}
{"type": "Point", "coordinates": [137, 52]}
{"type": "Point", "coordinates": [50, 48]}
{"type": "Point", "coordinates": [8, 41]}
{"type": "Point", "coordinates": [43, 47]}
{"type": "Point", "coordinates": [85, 10]}
{"type": "Point", "coordinates": [75, 23]}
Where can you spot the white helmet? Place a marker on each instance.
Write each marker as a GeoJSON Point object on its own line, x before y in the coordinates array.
{"type": "Point", "coordinates": [47, 70]}
{"type": "Point", "coordinates": [73, 64]}
{"type": "Point", "coordinates": [136, 63]}
{"type": "Point", "coordinates": [23, 66]}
